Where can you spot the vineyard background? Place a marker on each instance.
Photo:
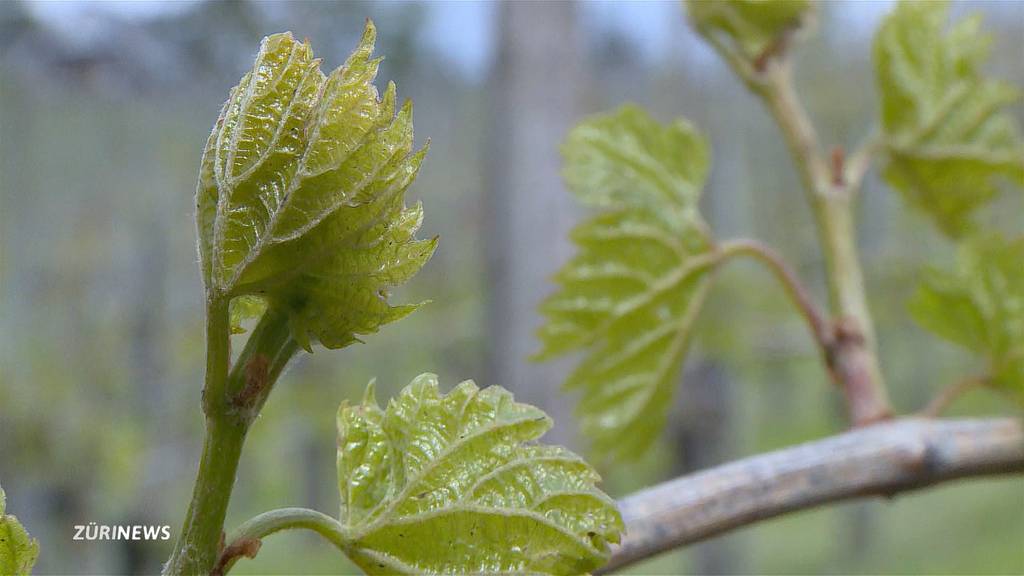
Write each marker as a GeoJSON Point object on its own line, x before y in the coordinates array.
{"type": "Point", "coordinates": [103, 112]}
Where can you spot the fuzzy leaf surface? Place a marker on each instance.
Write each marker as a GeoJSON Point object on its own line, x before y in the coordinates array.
{"type": "Point", "coordinates": [301, 193]}
{"type": "Point", "coordinates": [455, 484]}
{"type": "Point", "coordinates": [18, 551]}
{"type": "Point", "coordinates": [630, 295]}
{"type": "Point", "coordinates": [949, 136]}
{"type": "Point", "coordinates": [980, 306]}
{"type": "Point", "coordinates": [752, 26]}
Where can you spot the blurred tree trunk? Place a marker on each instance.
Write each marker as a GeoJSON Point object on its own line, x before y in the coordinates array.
{"type": "Point", "coordinates": [703, 434]}
{"type": "Point", "coordinates": [535, 96]}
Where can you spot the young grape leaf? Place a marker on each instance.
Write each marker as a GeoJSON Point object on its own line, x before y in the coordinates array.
{"type": "Point", "coordinates": [454, 484]}
{"type": "Point", "coordinates": [245, 308]}
{"type": "Point", "coordinates": [18, 551]}
{"type": "Point", "coordinates": [752, 26]}
{"type": "Point", "coordinates": [980, 306]}
{"type": "Point", "coordinates": [947, 132]}
{"type": "Point", "coordinates": [301, 193]}
{"type": "Point", "coordinates": [631, 294]}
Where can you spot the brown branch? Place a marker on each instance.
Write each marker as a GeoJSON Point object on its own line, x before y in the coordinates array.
{"type": "Point", "coordinates": [880, 460]}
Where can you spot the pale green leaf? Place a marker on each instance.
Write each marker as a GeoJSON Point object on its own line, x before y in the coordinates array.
{"type": "Point", "coordinates": [244, 308]}
{"type": "Point", "coordinates": [980, 306]}
{"type": "Point", "coordinates": [631, 294]}
{"type": "Point", "coordinates": [455, 484]}
{"type": "Point", "coordinates": [947, 131]}
{"type": "Point", "coordinates": [753, 27]}
{"type": "Point", "coordinates": [301, 193]}
{"type": "Point", "coordinates": [18, 551]}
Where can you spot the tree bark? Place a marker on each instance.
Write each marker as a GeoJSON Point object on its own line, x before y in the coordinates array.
{"type": "Point", "coordinates": [884, 459]}
{"type": "Point", "coordinates": [536, 97]}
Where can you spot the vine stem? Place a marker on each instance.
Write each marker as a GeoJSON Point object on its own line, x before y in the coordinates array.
{"type": "Point", "coordinates": [831, 194]}
{"type": "Point", "coordinates": [232, 398]}
{"type": "Point", "coordinates": [831, 189]}
{"type": "Point", "coordinates": [247, 539]}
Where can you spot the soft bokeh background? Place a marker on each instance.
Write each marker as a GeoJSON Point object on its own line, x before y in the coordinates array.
{"type": "Point", "coordinates": [104, 108]}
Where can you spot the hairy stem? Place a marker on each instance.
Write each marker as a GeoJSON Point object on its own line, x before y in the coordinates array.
{"type": "Point", "coordinates": [231, 400]}
{"type": "Point", "coordinates": [881, 460]}
{"type": "Point", "coordinates": [196, 548]}
{"type": "Point", "coordinates": [218, 353]}
{"type": "Point", "coordinates": [245, 540]}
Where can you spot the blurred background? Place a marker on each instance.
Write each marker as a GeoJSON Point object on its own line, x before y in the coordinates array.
{"type": "Point", "coordinates": [104, 109]}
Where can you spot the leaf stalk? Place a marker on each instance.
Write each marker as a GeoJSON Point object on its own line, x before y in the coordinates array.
{"type": "Point", "coordinates": [245, 540]}
{"type": "Point", "coordinates": [821, 328]}
{"type": "Point", "coordinates": [947, 396]}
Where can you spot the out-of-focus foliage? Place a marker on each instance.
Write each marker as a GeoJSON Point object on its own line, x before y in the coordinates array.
{"type": "Point", "coordinates": [980, 306]}
{"type": "Point", "coordinates": [95, 202]}
{"type": "Point", "coordinates": [948, 135]}
{"type": "Point", "coordinates": [301, 193]}
{"type": "Point", "coordinates": [631, 294]}
{"type": "Point", "coordinates": [452, 484]}
{"type": "Point", "coordinates": [753, 27]}
{"type": "Point", "coordinates": [18, 550]}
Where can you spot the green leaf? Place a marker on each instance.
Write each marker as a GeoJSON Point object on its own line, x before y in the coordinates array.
{"type": "Point", "coordinates": [753, 27]}
{"type": "Point", "coordinates": [18, 551]}
{"type": "Point", "coordinates": [631, 294]}
{"type": "Point", "coordinates": [454, 484]}
{"type": "Point", "coordinates": [949, 137]}
{"type": "Point", "coordinates": [301, 193]}
{"type": "Point", "coordinates": [980, 306]}
{"type": "Point", "coordinates": [245, 308]}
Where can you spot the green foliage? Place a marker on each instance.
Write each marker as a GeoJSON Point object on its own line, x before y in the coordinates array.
{"type": "Point", "coordinates": [301, 193]}
{"type": "Point", "coordinates": [753, 27]}
{"type": "Point", "coordinates": [244, 308]}
{"type": "Point", "coordinates": [453, 484]}
{"type": "Point", "coordinates": [18, 551]}
{"type": "Point", "coordinates": [948, 136]}
{"type": "Point", "coordinates": [980, 306]}
{"type": "Point", "coordinates": [631, 294]}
